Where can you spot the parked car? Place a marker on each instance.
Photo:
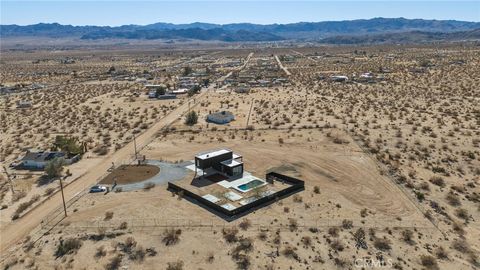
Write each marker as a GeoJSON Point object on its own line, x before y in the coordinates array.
{"type": "Point", "coordinates": [98, 188]}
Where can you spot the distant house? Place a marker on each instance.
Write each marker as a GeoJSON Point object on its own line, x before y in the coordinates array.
{"type": "Point", "coordinates": [37, 160]}
{"type": "Point", "coordinates": [242, 88]}
{"type": "Point", "coordinates": [180, 91]}
{"type": "Point", "coordinates": [24, 104]}
{"type": "Point", "coordinates": [222, 117]}
{"type": "Point", "coordinates": [338, 78]}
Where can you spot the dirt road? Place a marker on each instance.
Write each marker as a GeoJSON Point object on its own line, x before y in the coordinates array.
{"type": "Point", "coordinates": [281, 66]}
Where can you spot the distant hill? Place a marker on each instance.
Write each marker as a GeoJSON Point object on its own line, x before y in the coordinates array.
{"type": "Point", "coordinates": [404, 37]}
{"type": "Point", "coordinates": [242, 31]}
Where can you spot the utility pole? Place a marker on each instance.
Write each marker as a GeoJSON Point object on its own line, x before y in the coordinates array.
{"type": "Point", "coordinates": [63, 197]}
{"type": "Point", "coordinates": [9, 179]}
{"type": "Point", "coordinates": [135, 146]}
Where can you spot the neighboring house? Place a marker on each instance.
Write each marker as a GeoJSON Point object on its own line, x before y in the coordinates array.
{"type": "Point", "coordinates": [37, 160]}
{"type": "Point", "coordinates": [222, 117]}
{"type": "Point", "coordinates": [223, 161]}
{"type": "Point", "coordinates": [339, 78]}
{"type": "Point", "coordinates": [24, 104]}
{"type": "Point", "coordinates": [243, 88]}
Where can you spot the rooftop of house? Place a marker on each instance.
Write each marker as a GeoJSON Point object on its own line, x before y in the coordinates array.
{"type": "Point", "coordinates": [214, 153]}
{"type": "Point", "coordinates": [41, 156]}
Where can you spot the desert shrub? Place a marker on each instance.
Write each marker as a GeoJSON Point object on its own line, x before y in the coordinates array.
{"type": "Point", "coordinates": [333, 231]}
{"type": "Point", "coordinates": [127, 246]}
{"type": "Point", "coordinates": [171, 236]}
{"type": "Point", "coordinates": [441, 253]}
{"type": "Point", "coordinates": [347, 224]}
{"type": "Point", "coordinates": [230, 234]}
{"type": "Point", "coordinates": [382, 244]}
{"type": "Point", "coordinates": [420, 196]}
{"type": "Point", "coordinates": [137, 254]}
{"type": "Point", "coordinates": [123, 226]}
{"type": "Point", "coordinates": [407, 236]}
{"type": "Point", "coordinates": [429, 262]}
{"type": "Point", "coordinates": [23, 206]}
{"type": "Point", "coordinates": [316, 190]}
{"type": "Point", "coordinates": [245, 245]}
{"type": "Point", "coordinates": [307, 241]}
{"type": "Point", "coordinates": [101, 252]}
{"type": "Point", "coordinates": [242, 261]}
{"type": "Point", "coordinates": [437, 180]}
{"type": "Point", "coordinates": [297, 198]}
{"type": "Point", "coordinates": [462, 213]}
{"type": "Point", "coordinates": [337, 245]}
{"type": "Point", "coordinates": [289, 252]}
{"type": "Point", "coordinates": [364, 212]}
{"type": "Point", "coordinates": [452, 199]}
{"type": "Point", "coordinates": [108, 215]}
{"type": "Point", "coordinates": [359, 237]}
{"type": "Point", "coordinates": [178, 265]}
{"type": "Point", "coordinates": [114, 263]}
{"type": "Point", "coordinates": [461, 245]}
{"type": "Point", "coordinates": [262, 236]}
{"type": "Point", "coordinates": [210, 257]}
{"type": "Point", "coordinates": [245, 224]}
{"type": "Point", "coordinates": [49, 191]}
{"type": "Point", "coordinates": [67, 246]}
{"type": "Point", "coordinates": [341, 263]}
{"type": "Point", "coordinates": [29, 245]}
{"type": "Point", "coordinates": [191, 118]}
{"type": "Point", "coordinates": [293, 225]}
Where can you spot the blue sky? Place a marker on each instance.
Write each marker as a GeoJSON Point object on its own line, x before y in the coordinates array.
{"type": "Point", "coordinates": [145, 12]}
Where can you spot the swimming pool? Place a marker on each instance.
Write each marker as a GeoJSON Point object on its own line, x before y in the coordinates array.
{"type": "Point", "coordinates": [250, 185]}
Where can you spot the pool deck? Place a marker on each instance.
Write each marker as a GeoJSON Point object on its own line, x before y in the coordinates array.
{"type": "Point", "coordinates": [247, 177]}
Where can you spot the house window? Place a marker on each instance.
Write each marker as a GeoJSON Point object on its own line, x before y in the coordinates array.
{"type": "Point", "coordinates": [237, 170]}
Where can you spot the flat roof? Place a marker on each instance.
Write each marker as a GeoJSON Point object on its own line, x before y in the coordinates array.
{"type": "Point", "coordinates": [231, 163]}
{"type": "Point", "coordinates": [213, 153]}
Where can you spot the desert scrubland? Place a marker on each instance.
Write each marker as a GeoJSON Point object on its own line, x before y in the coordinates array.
{"type": "Point", "coordinates": [390, 157]}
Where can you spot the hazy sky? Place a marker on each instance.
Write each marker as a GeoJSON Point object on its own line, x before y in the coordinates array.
{"type": "Point", "coordinates": [265, 12]}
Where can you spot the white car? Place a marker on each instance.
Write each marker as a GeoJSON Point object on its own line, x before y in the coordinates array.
{"type": "Point", "coordinates": [98, 188]}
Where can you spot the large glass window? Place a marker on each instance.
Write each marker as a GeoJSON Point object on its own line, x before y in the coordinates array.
{"type": "Point", "coordinates": [237, 170]}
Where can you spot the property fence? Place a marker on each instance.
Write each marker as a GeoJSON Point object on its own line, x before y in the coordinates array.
{"type": "Point", "coordinates": [259, 224]}
{"type": "Point", "coordinates": [296, 186]}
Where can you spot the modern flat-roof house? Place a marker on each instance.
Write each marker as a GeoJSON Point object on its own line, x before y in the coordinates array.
{"type": "Point", "coordinates": [224, 161]}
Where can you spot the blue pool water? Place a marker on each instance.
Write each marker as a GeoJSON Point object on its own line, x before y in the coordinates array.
{"type": "Point", "coordinates": [252, 184]}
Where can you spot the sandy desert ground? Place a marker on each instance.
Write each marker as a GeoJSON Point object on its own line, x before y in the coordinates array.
{"type": "Point", "coordinates": [391, 164]}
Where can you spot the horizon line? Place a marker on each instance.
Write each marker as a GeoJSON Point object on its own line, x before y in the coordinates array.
{"type": "Point", "coordinates": [222, 24]}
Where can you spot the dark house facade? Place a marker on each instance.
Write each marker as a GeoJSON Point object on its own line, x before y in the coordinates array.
{"type": "Point", "coordinates": [223, 161]}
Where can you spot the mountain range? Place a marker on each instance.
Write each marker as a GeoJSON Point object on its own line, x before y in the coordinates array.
{"type": "Point", "coordinates": [349, 32]}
